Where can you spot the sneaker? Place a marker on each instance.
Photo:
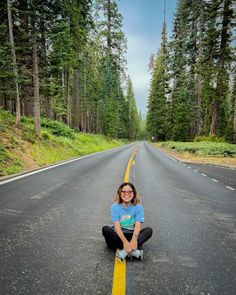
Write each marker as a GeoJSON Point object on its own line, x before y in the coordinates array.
{"type": "Point", "coordinates": [137, 254]}
{"type": "Point", "coordinates": [121, 255]}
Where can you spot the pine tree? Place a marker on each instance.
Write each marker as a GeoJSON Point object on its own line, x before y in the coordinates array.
{"type": "Point", "coordinates": [14, 64]}
{"type": "Point", "coordinates": [112, 68]}
{"type": "Point", "coordinates": [34, 24]}
{"type": "Point", "coordinates": [25, 54]}
{"type": "Point", "coordinates": [133, 116]}
{"type": "Point", "coordinates": [181, 100]}
{"type": "Point", "coordinates": [223, 58]}
{"type": "Point", "coordinates": [157, 101]}
{"type": "Point", "coordinates": [78, 14]}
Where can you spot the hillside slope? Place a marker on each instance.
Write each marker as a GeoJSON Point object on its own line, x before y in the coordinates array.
{"type": "Point", "coordinates": [20, 150]}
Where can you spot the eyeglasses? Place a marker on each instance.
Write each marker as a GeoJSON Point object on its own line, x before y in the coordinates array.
{"type": "Point", "coordinates": [127, 192]}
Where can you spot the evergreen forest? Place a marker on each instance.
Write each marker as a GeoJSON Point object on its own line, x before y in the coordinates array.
{"type": "Point", "coordinates": [65, 60]}
{"type": "Point", "coordinates": [193, 87]}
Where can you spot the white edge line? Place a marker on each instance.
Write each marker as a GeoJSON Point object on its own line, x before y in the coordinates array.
{"type": "Point", "coordinates": [166, 154]}
{"type": "Point", "coordinates": [49, 167]}
{"type": "Point", "coordinates": [229, 187]}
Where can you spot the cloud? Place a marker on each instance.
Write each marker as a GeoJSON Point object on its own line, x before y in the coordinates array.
{"type": "Point", "coordinates": [139, 51]}
{"type": "Point", "coordinates": [142, 27]}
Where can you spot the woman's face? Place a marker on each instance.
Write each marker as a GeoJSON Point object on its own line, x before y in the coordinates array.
{"type": "Point", "coordinates": [126, 194]}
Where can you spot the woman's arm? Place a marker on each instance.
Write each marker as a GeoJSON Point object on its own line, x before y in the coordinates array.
{"type": "Point", "coordinates": [134, 240]}
{"type": "Point", "coordinates": [125, 242]}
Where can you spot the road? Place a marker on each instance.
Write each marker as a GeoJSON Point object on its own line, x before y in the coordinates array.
{"type": "Point", "coordinates": [50, 228]}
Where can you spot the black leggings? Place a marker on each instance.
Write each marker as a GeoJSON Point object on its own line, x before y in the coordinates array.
{"type": "Point", "coordinates": [113, 241]}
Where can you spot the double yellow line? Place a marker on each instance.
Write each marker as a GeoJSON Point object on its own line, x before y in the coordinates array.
{"type": "Point", "coordinates": [119, 275]}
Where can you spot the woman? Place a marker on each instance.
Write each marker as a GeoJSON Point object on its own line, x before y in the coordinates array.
{"type": "Point", "coordinates": [127, 215]}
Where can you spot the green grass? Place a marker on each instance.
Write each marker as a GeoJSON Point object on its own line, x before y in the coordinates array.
{"type": "Point", "coordinates": [202, 148]}
{"type": "Point", "coordinates": [61, 148]}
{"type": "Point", "coordinates": [8, 163]}
{"type": "Point", "coordinates": [57, 143]}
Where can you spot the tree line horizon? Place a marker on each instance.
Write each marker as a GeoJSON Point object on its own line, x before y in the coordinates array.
{"type": "Point", "coordinates": [65, 60]}
{"type": "Point", "coordinates": [193, 85]}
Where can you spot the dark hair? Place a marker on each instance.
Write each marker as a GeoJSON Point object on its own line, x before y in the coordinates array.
{"type": "Point", "coordinates": [135, 199]}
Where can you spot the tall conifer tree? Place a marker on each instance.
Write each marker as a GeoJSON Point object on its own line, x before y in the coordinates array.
{"type": "Point", "coordinates": [157, 101]}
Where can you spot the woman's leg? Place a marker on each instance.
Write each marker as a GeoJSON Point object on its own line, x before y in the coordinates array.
{"type": "Point", "coordinates": [144, 235]}
{"type": "Point", "coordinates": [112, 239]}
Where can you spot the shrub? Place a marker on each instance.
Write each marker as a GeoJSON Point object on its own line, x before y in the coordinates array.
{"type": "Point", "coordinates": [203, 148]}
{"type": "Point", "coordinates": [46, 135]}
{"type": "Point", "coordinates": [29, 120]}
{"type": "Point", "coordinates": [3, 153]}
{"type": "Point", "coordinates": [58, 128]}
{"type": "Point", "coordinates": [211, 138]}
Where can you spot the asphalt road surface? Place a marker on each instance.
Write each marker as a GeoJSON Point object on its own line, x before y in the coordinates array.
{"type": "Point", "coordinates": [50, 228]}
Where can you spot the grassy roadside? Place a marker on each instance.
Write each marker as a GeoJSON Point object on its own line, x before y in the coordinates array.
{"type": "Point", "coordinates": [217, 153]}
{"type": "Point", "coordinates": [20, 150]}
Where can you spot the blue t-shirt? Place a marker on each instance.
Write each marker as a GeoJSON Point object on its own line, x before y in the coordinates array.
{"type": "Point", "coordinates": [127, 216]}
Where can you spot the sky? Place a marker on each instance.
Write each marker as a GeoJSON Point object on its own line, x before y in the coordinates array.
{"type": "Point", "coordinates": [142, 26]}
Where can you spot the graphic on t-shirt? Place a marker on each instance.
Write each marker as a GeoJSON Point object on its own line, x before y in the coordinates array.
{"type": "Point", "coordinates": [127, 221]}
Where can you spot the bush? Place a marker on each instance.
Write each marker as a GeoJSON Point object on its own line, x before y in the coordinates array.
{"type": "Point", "coordinates": [58, 128]}
{"type": "Point", "coordinates": [6, 116]}
{"type": "Point", "coordinates": [3, 154]}
{"type": "Point", "coordinates": [203, 148]}
{"type": "Point", "coordinates": [211, 138]}
{"type": "Point", "coordinates": [29, 120]}
{"type": "Point", "coordinates": [46, 135]}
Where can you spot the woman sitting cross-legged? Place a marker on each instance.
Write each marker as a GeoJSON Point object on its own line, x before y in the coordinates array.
{"type": "Point", "coordinates": [127, 215]}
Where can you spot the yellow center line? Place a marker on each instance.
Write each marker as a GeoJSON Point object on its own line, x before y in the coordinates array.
{"type": "Point", "coordinates": [119, 275]}
{"type": "Point", "coordinates": [119, 278]}
{"type": "Point", "coordinates": [127, 172]}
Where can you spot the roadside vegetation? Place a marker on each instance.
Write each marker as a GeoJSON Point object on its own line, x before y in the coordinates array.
{"type": "Point", "coordinates": [75, 50]}
{"type": "Point", "coordinates": [21, 150]}
{"type": "Point", "coordinates": [210, 150]}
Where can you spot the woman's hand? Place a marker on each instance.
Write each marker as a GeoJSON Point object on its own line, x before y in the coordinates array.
{"type": "Point", "coordinates": [127, 247]}
{"type": "Point", "coordinates": [133, 243]}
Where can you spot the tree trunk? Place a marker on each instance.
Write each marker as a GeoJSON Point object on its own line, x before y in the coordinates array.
{"type": "Point", "coordinates": [37, 125]}
{"type": "Point", "coordinates": [28, 109]}
{"type": "Point", "coordinates": [199, 105]}
{"type": "Point", "coordinates": [68, 98]}
{"type": "Point", "coordinates": [76, 101]}
{"type": "Point", "coordinates": [82, 118]}
{"type": "Point", "coordinates": [48, 107]}
{"type": "Point", "coordinates": [28, 106]}
{"type": "Point", "coordinates": [215, 115]}
{"type": "Point", "coordinates": [198, 82]}
{"type": "Point", "coordinates": [46, 96]}
{"type": "Point", "coordinates": [85, 104]}
{"type": "Point", "coordinates": [15, 70]}
{"type": "Point", "coordinates": [234, 94]}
